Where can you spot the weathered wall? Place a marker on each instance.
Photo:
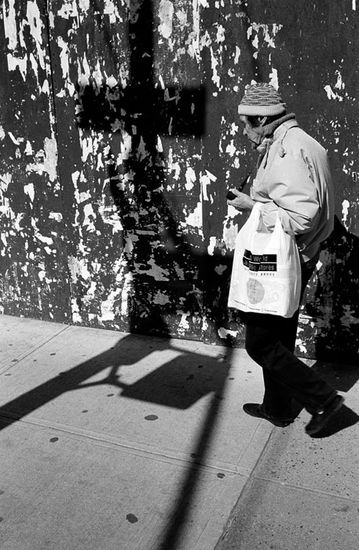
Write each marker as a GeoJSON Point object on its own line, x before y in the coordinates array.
{"type": "Point", "coordinates": [119, 137]}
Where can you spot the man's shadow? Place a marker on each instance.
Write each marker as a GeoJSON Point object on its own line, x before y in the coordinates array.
{"type": "Point", "coordinates": [333, 306]}
{"type": "Point", "coordinates": [332, 299]}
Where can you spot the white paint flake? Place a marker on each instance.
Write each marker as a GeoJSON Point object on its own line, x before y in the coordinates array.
{"type": "Point", "coordinates": [182, 18]}
{"type": "Point", "coordinates": [231, 148]}
{"type": "Point", "coordinates": [195, 219]}
{"type": "Point", "coordinates": [165, 14]}
{"type": "Point", "coordinates": [345, 211]}
{"type": "Point", "coordinates": [10, 27]}
{"type": "Point", "coordinates": [173, 166]}
{"type": "Point", "coordinates": [57, 216]}
{"type": "Point", "coordinates": [18, 32]}
{"type": "Point", "coordinates": [36, 30]}
{"type": "Point", "coordinates": [183, 324]}
{"type": "Point", "coordinates": [237, 55]}
{"type": "Point", "coordinates": [84, 6]}
{"type": "Point", "coordinates": [30, 191]}
{"type": "Point", "coordinates": [215, 75]}
{"type": "Point", "coordinates": [267, 32]}
{"type": "Point", "coordinates": [194, 39]}
{"type": "Point", "coordinates": [339, 85]}
{"type": "Point", "coordinates": [46, 160]}
{"type": "Point", "coordinates": [89, 218]}
{"type": "Point", "coordinates": [190, 178]}
{"type": "Point", "coordinates": [273, 78]}
{"type": "Point", "coordinates": [220, 34]}
{"type": "Point", "coordinates": [107, 307]}
{"type": "Point", "coordinates": [5, 179]}
{"type": "Point", "coordinates": [206, 179]}
{"type": "Point", "coordinates": [331, 94]}
{"type": "Point", "coordinates": [111, 10]}
{"type": "Point", "coordinates": [212, 245]}
{"type": "Point", "coordinates": [78, 268]}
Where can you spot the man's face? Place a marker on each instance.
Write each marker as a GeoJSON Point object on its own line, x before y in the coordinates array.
{"type": "Point", "coordinates": [249, 131]}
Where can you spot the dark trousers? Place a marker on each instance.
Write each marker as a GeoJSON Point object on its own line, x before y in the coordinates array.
{"type": "Point", "coordinates": [270, 341]}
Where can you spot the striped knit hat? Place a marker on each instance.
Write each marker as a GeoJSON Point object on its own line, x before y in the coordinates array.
{"type": "Point", "coordinates": [261, 99]}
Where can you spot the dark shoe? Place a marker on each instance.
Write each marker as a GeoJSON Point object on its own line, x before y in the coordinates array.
{"type": "Point", "coordinates": [320, 418]}
{"type": "Point", "coordinates": [255, 409]}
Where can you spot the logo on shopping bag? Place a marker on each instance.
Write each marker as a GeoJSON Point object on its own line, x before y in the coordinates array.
{"type": "Point", "coordinates": [260, 262]}
{"type": "Point", "coordinates": [255, 291]}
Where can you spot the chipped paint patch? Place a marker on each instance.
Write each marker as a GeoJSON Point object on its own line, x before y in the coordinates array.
{"type": "Point", "coordinates": [190, 178]}
{"type": "Point", "coordinates": [345, 211]}
{"type": "Point", "coordinates": [212, 245]}
{"type": "Point", "coordinates": [206, 179]}
{"type": "Point", "coordinates": [46, 160]}
{"type": "Point", "coordinates": [30, 191]}
{"type": "Point", "coordinates": [273, 78]}
{"type": "Point", "coordinates": [165, 14]}
{"type": "Point", "coordinates": [195, 219]}
{"type": "Point", "coordinates": [331, 94]}
{"type": "Point", "coordinates": [111, 10]}
{"type": "Point", "coordinates": [267, 33]}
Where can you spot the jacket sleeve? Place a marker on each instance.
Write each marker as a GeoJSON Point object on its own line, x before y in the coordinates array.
{"type": "Point", "coordinates": [295, 195]}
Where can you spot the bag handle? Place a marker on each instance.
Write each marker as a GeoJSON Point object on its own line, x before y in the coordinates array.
{"type": "Point", "coordinates": [278, 234]}
{"type": "Point", "coordinates": [255, 215]}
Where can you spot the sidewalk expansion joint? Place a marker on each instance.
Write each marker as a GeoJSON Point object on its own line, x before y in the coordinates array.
{"type": "Point", "coordinates": [33, 350]}
{"type": "Point", "coordinates": [304, 488]}
{"type": "Point", "coordinates": [10, 417]}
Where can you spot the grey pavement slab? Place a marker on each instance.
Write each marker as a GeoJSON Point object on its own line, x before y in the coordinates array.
{"type": "Point", "coordinates": [304, 491]}
{"type": "Point", "coordinates": [112, 440]}
{"type": "Point", "coordinates": [65, 492]}
{"type": "Point", "coordinates": [275, 516]}
{"type": "Point", "coordinates": [20, 336]}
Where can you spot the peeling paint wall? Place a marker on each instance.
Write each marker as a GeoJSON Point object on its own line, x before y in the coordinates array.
{"type": "Point", "coordinates": [119, 136]}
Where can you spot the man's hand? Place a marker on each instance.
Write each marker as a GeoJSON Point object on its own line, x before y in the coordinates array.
{"type": "Point", "coordinates": [242, 201]}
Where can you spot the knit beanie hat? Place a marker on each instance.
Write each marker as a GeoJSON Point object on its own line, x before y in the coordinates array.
{"type": "Point", "coordinates": [261, 99]}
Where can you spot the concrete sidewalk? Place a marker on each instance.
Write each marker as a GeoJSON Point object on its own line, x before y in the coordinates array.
{"type": "Point", "coordinates": [112, 441]}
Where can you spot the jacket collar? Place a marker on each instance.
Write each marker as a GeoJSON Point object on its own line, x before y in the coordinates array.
{"type": "Point", "coordinates": [281, 130]}
{"type": "Point", "coordinates": [275, 132]}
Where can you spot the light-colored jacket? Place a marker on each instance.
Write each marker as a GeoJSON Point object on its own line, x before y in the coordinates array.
{"type": "Point", "coordinates": [294, 180]}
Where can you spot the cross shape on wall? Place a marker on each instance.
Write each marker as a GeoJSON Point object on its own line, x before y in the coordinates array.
{"type": "Point", "coordinates": [147, 109]}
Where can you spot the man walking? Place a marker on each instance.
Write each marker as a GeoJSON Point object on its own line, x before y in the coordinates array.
{"type": "Point", "coordinates": [293, 182]}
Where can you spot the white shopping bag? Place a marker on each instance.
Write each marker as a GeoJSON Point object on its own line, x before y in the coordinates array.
{"type": "Point", "coordinates": [266, 272]}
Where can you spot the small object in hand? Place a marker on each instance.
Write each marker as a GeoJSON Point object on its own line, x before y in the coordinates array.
{"type": "Point", "coordinates": [231, 196]}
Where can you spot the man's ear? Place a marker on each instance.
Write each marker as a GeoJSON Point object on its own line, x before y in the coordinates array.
{"type": "Point", "coordinates": [262, 120]}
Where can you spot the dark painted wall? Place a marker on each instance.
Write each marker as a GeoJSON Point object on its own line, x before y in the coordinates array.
{"type": "Point", "coordinates": [119, 137]}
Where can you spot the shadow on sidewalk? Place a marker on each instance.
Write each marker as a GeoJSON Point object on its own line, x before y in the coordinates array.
{"type": "Point", "coordinates": [342, 378]}
{"type": "Point", "coordinates": [344, 418]}
{"type": "Point", "coordinates": [178, 383]}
